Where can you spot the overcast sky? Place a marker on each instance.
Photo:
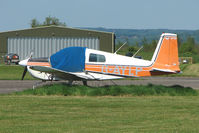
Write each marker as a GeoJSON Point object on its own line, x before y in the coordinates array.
{"type": "Point", "coordinates": [128, 14]}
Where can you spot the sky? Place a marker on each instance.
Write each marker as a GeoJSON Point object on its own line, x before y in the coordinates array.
{"type": "Point", "coordinates": [120, 14]}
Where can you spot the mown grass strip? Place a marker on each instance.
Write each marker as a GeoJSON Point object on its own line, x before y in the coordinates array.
{"type": "Point", "coordinates": [13, 72]}
{"type": "Point", "coordinates": [132, 90]}
{"type": "Point", "coordinates": [150, 114]}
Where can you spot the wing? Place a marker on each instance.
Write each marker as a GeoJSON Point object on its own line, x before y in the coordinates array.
{"type": "Point", "coordinates": [73, 75]}
{"type": "Point", "coordinates": [58, 73]}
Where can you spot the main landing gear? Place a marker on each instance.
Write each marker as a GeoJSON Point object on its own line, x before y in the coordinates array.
{"type": "Point", "coordinates": [70, 82]}
{"type": "Point", "coordinates": [85, 82]}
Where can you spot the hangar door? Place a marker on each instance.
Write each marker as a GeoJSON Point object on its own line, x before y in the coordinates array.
{"type": "Point", "coordinates": [44, 47]}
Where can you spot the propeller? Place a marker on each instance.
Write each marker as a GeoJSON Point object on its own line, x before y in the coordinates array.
{"type": "Point", "coordinates": [24, 64]}
{"type": "Point", "coordinates": [24, 72]}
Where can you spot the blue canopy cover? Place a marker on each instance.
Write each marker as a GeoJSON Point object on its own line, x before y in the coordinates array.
{"type": "Point", "coordinates": [71, 59]}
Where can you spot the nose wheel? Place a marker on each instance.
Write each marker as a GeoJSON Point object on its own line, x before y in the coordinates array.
{"type": "Point", "coordinates": [70, 82]}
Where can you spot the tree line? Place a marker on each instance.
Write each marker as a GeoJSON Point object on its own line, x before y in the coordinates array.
{"type": "Point", "coordinates": [47, 22]}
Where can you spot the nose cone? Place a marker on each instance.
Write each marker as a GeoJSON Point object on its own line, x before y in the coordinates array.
{"type": "Point", "coordinates": [24, 62]}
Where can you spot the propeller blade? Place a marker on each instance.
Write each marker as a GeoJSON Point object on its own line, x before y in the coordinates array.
{"type": "Point", "coordinates": [24, 72]}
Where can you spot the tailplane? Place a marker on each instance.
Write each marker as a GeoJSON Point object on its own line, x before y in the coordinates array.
{"type": "Point", "coordinates": [165, 58]}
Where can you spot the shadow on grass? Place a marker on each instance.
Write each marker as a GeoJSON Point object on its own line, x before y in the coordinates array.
{"type": "Point", "coordinates": [132, 90]}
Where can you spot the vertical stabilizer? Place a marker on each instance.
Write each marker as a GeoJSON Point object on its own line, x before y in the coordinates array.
{"type": "Point", "coordinates": [165, 57]}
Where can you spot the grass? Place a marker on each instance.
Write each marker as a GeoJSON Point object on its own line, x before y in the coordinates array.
{"type": "Point", "coordinates": [190, 69]}
{"type": "Point", "coordinates": [130, 90]}
{"type": "Point", "coordinates": [39, 114]}
{"type": "Point", "coordinates": [13, 72]}
{"type": "Point", "coordinates": [109, 109]}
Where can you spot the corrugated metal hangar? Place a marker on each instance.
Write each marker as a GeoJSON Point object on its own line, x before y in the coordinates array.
{"type": "Point", "coordinates": [44, 41]}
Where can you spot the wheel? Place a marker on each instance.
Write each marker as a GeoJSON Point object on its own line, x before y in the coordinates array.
{"type": "Point", "coordinates": [70, 82]}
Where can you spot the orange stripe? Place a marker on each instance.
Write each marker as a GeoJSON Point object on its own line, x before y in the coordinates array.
{"type": "Point", "coordinates": [39, 64]}
{"type": "Point", "coordinates": [119, 70]}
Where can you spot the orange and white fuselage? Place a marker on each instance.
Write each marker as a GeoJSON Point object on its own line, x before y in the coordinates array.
{"type": "Point", "coordinates": [101, 65]}
{"type": "Point", "coordinates": [164, 60]}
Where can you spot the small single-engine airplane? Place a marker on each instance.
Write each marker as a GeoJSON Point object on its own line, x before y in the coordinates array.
{"type": "Point", "coordinates": [80, 63]}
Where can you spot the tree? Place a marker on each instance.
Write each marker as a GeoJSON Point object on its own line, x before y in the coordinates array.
{"type": "Point", "coordinates": [149, 47]}
{"type": "Point", "coordinates": [34, 23]}
{"type": "Point", "coordinates": [188, 46]}
{"type": "Point", "coordinates": [179, 41]}
{"type": "Point", "coordinates": [144, 41]}
{"type": "Point", "coordinates": [48, 21]}
{"type": "Point", "coordinates": [132, 49]}
{"type": "Point", "coordinates": [189, 49]}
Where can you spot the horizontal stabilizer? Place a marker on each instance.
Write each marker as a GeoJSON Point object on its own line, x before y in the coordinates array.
{"type": "Point", "coordinates": [163, 70]}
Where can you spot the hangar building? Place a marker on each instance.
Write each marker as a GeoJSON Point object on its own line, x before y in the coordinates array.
{"type": "Point", "coordinates": [44, 41]}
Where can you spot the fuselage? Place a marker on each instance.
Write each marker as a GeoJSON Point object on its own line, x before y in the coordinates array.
{"type": "Point", "coordinates": [114, 64]}
{"type": "Point", "coordinates": [101, 65]}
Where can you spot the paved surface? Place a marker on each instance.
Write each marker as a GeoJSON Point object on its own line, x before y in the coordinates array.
{"type": "Point", "coordinates": [8, 86]}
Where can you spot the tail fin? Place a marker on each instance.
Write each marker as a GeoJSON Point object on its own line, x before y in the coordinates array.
{"type": "Point", "coordinates": [165, 58]}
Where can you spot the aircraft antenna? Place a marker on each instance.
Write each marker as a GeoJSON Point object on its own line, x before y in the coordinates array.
{"type": "Point", "coordinates": [120, 48]}
{"type": "Point", "coordinates": [137, 51]}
